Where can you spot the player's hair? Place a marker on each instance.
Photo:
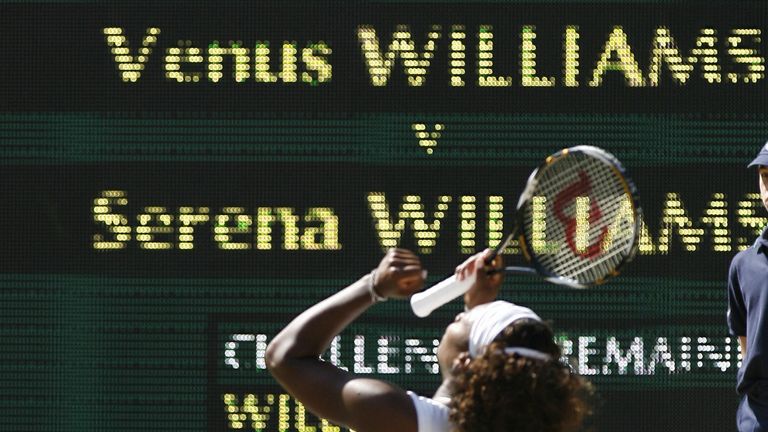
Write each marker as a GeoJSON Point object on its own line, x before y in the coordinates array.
{"type": "Point", "coordinates": [509, 392]}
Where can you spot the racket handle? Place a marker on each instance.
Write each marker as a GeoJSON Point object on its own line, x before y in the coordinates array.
{"type": "Point", "coordinates": [425, 302]}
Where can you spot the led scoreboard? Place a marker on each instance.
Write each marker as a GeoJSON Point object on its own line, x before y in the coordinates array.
{"type": "Point", "coordinates": [180, 179]}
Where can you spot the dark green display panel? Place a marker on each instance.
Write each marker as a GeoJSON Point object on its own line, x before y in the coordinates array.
{"type": "Point", "coordinates": [180, 179]}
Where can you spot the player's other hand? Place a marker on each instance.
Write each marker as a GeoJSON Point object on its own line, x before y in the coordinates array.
{"type": "Point", "coordinates": [399, 274]}
{"type": "Point", "coordinates": [489, 278]}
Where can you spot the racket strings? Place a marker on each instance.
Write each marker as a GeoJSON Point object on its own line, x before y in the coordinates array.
{"type": "Point", "coordinates": [606, 257]}
{"type": "Point", "coordinates": [609, 238]}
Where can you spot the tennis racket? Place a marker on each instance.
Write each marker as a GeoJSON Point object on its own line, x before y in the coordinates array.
{"type": "Point", "coordinates": [578, 222]}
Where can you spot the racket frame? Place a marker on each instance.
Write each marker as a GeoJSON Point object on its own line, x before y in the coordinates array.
{"type": "Point", "coordinates": [424, 302]}
{"type": "Point", "coordinates": [527, 195]}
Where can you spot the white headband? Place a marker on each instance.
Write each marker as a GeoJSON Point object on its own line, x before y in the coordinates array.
{"type": "Point", "coordinates": [488, 320]}
{"type": "Point", "coordinates": [528, 352]}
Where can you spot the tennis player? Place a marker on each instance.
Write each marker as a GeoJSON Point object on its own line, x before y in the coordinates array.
{"type": "Point", "coordinates": [500, 365]}
{"type": "Point", "coordinates": [747, 309]}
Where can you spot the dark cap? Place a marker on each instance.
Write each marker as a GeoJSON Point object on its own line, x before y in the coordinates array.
{"type": "Point", "coordinates": [762, 157]}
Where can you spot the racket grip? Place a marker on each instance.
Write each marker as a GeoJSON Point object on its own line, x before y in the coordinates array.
{"type": "Point", "coordinates": [425, 302]}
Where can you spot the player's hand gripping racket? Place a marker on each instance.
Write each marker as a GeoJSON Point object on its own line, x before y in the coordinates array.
{"type": "Point", "coordinates": [578, 222]}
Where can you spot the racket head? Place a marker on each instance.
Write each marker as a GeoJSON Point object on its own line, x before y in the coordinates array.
{"type": "Point", "coordinates": [579, 217]}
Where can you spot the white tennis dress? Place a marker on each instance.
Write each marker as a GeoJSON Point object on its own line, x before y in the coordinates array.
{"type": "Point", "coordinates": [432, 415]}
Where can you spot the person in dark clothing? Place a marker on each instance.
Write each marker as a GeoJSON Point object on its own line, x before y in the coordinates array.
{"type": "Point", "coordinates": [747, 315]}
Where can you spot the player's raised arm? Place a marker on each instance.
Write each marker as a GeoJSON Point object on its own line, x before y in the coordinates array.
{"type": "Point", "coordinates": [293, 356]}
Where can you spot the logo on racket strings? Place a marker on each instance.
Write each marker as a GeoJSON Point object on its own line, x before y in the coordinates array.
{"type": "Point", "coordinates": [586, 210]}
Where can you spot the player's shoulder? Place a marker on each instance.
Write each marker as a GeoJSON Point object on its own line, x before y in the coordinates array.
{"type": "Point", "coordinates": [743, 257]}
{"type": "Point", "coordinates": [432, 416]}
